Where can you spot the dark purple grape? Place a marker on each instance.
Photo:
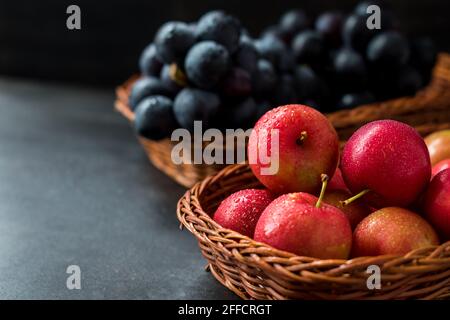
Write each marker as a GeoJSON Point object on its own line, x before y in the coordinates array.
{"type": "Point", "coordinates": [219, 27]}
{"type": "Point", "coordinates": [273, 30]}
{"type": "Point", "coordinates": [245, 33]}
{"type": "Point", "coordinates": [308, 83]}
{"type": "Point", "coordinates": [312, 87]}
{"type": "Point", "coordinates": [271, 48]}
{"type": "Point", "coordinates": [285, 92]}
{"type": "Point", "coordinates": [348, 61]}
{"type": "Point", "coordinates": [293, 22]}
{"type": "Point", "coordinates": [351, 100]}
{"type": "Point", "coordinates": [245, 37]}
{"type": "Point", "coordinates": [392, 83]}
{"type": "Point", "coordinates": [149, 63]}
{"type": "Point", "coordinates": [388, 19]}
{"type": "Point", "coordinates": [308, 47]}
{"type": "Point", "coordinates": [238, 115]}
{"type": "Point", "coordinates": [193, 27]}
{"type": "Point", "coordinates": [206, 63]}
{"type": "Point", "coordinates": [236, 83]}
{"type": "Point", "coordinates": [408, 81]}
{"type": "Point", "coordinates": [356, 34]}
{"type": "Point", "coordinates": [264, 79]}
{"type": "Point", "coordinates": [154, 118]}
{"type": "Point", "coordinates": [145, 87]}
{"type": "Point", "coordinates": [195, 105]}
{"type": "Point", "coordinates": [388, 49]}
{"type": "Point", "coordinates": [173, 40]}
{"type": "Point", "coordinates": [361, 7]}
{"type": "Point", "coordinates": [423, 57]}
{"type": "Point", "coordinates": [287, 61]}
{"type": "Point", "coordinates": [350, 69]}
{"type": "Point", "coordinates": [246, 56]}
{"type": "Point", "coordinates": [329, 25]}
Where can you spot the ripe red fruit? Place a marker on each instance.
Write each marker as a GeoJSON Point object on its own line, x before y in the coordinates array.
{"type": "Point", "coordinates": [438, 167]}
{"type": "Point", "coordinates": [302, 224]}
{"type": "Point", "coordinates": [241, 210]}
{"type": "Point", "coordinates": [355, 211]}
{"type": "Point", "coordinates": [392, 230]}
{"type": "Point", "coordinates": [390, 159]}
{"type": "Point", "coordinates": [437, 203]}
{"type": "Point", "coordinates": [308, 147]}
{"type": "Point", "coordinates": [439, 145]}
{"type": "Point", "coordinates": [337, 182]}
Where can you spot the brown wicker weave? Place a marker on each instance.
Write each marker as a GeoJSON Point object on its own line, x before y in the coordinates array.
{"type": "Point", "coordinates": [427, 111]}
{"type": "Point", "coordinates": [159, 152]}
{"type": "Point", "coordinates": [253, 270]}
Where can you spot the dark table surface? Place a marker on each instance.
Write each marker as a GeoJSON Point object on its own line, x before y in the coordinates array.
{"type": "Point", "coordinates": [77, 189]}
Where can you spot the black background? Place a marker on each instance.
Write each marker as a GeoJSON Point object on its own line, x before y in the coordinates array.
{"type": "Point", "coordinates": [34, 40]}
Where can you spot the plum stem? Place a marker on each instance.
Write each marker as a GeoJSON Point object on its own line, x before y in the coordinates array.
{"type": "Point", "coordinates": [355, 197]}
{"type": "Point", "coordinates": [302, 138]}
{"type": "Point", "coordinates": [324, 179]}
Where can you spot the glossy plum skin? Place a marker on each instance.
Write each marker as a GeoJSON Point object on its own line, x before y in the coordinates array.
{"type": "Point", "coordinates": [438, 167]}
{"type": "Point", "coordinates": [392, 230]}
{"type": "Point", "coordinates": [389, 158]}
{"type": "Point", "coordinates": [292, 223]}
{"type": "Point", "coordinates": [241, 210]}
{"type": "Point", "coordinates": [437, 203]}
{"type": "Point", "coordinates": [300, 165]}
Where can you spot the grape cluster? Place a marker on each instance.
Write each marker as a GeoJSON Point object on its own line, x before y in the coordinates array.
{"type": "Point", "coordinates": [340, 63]}
{"type": "Point", "coordinates": [209, 71]}
{"type": "Point", "coordinates": [212, 70]}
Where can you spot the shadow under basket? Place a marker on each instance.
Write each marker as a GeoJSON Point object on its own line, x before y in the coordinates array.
{"type": "Point", "coordinates": [427, 111]}
{"type": "Point", "coordinates": [254, 270]}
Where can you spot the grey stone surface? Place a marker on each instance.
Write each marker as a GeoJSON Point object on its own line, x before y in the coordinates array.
{"type": "Point", "coordinates": [76, 188]}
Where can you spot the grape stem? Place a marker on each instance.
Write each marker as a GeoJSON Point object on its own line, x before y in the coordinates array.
{"type": "Point", "coordinates": [177, 75]}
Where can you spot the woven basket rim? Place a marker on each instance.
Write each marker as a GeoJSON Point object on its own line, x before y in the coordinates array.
{"type": "Point", "coordinates": [232, 235]}
{"type": "Point", "coordinates": [256, 270]}
{"type": "Point", "coordinates": [431, 99]}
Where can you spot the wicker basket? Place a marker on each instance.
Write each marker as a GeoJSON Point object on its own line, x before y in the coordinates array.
{"type": "Point", "coordinates": [428, 110]}
{"type": "Point", "coordinates": [253, 270]}
{"type": "Point", "coordinates": [159, 152]}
